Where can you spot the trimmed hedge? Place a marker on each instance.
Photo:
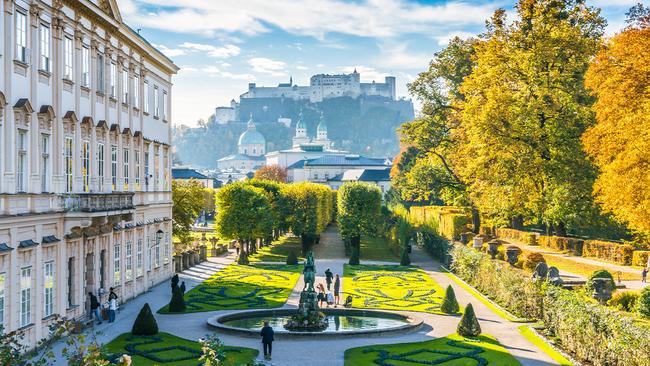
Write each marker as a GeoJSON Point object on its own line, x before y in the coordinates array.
{"type": "Point", "coordinates": [519, 235]}
{"type": "Point", "coordinates": [589, 331]}
{"type": "Point", "coordinates": [450, 221]}
{"type": "Point", "coordinates": [640, 258]}
{"type": "Point", "coordinates": [610, 251]}
{"type": "Point", "coordinates": [562, 244]}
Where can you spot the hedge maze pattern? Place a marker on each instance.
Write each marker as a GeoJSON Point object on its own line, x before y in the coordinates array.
{"type": "Point", "coordinates": [430, 356]}
{"type": "Point", "coordinates": [393, 287]}
{"type": "Point", "coordinates": [244, 287]}
{"type": "Point", "coordinates": [133, 346]}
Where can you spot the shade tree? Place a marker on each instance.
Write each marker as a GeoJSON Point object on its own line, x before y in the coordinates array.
{"type": "Point", "coordinates": [358, 213]}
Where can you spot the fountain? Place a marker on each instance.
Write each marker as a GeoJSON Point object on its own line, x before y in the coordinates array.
{"type": "Point", "coordinates": [308, 318]}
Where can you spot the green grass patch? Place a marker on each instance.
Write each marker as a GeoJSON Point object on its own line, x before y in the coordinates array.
{"type": "Point", "coordinates": [452, 350]}
{"type": "Point", "coordinates": [540, 343]}
{"type": "Point", "coordinates": [166, 349]}
{"type": "Point", "coordinates": [278, 251]}
{"type": "Point", "coordinates": [261, 286]}
{"type": "Point", "coordinates": [392, 287]}
{"type": "Point", "coordinates": [376, 249]}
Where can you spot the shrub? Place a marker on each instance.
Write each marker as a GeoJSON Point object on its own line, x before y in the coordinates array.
{"type": "Point", "coordinates": [469, 326]}
{"type": "Point", "coordinates": [624, 300]}
{"type": "Point", "coordinates": [599, 273]}
{"type": "Point", "coordinates": [433, 243]}
{"type": "Point", "coordinates": [406, 259]}
{"type": "Point", "coordinates": [145, 323]}
{"type": "Point", "coordinates": [449, 303]}
{"type": "Point", "coordinates": [640, 258]}
{"type": "Point", "coordinates": [292, 258]}
{"type": "Point", "coordinates": [532, 260]}
{"type": "Point", "coordinates": [243, 258]}
{"type": "Point", "coordinates": [609, 251]}
{"type": "Point", "coordinates": [643, 303]}
{"type": "Point", "coordinates": [562, 244]}
{"type": "Point", "coordinates": [354, 258]}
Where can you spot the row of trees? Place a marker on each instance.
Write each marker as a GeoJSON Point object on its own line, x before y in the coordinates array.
{"type": "Point", "coordinates": [190, 199]}
{"type": "Point", "coordinates": [526, 121]}
{"type": "Point", "coordinates": [260, 210]}
{"type": "Point", "coordinates": [359, 210]}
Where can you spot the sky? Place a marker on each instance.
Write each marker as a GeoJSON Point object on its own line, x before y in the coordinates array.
{"type": "Point", "coordinates": [222, 45]}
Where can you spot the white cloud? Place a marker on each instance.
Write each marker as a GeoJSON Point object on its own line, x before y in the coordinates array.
{"type": "Point", "coordinates": [394, 54]}
{"type": "Point", "coordinates": [443, 40]}
{"type": "Point", "coordinates": [170, 52]}
{"type": "Point", "coordinates": [316, 18]}
{"type": "Point", "coordinates": [268, 66]}
{"type": "Point", "coordinates": [212, 51]}
{"type": "Point", "coordinates": [300, 67]}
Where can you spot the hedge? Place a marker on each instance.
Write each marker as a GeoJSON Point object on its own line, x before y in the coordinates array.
{"type": "Point", "coordinates": [450, 221]}
{"type": "Point", "coordinates": [562, 244]}
{"type": "Point", "coordinates": [640, 258]}
{"type": "Point", "coordinates": [610, 251]}
{"type": "Point", "coordinates": [519, 235]}
{"type": "Point", "coordinates": [588, 331]}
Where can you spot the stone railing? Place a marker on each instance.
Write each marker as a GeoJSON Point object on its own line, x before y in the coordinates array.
{"type": "Point", "coordinates": [97, 202]}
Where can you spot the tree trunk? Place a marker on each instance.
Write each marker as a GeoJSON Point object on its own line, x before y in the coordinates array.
{"type": "Point", "coordinates": [560, 229]}
{"type": "Point", "coordinates": [476, 220]}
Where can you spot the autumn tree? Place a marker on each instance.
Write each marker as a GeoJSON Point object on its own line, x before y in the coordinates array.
{"type": "Point", "coordinates": [189, 200]}
{"type": "Point", "coordinates": [272, 172]}
{"type": "Point", "coordinates": [524, 109]}
{"type": "Point", "coordinates": [359, 209]}
{"type": "Point", "coordinates": [619, 143]}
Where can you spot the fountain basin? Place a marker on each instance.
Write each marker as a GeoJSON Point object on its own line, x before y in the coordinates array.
{"type": "Point", "coordinates": [341, 322]}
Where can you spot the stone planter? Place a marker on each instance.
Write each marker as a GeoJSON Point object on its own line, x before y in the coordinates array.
{"type": "Point", "coordinates": [178, 263]}
{"type": "Point", "coordinates": [512, 255]}
{"type": "Point", "coordinates": [186, 260]}
{"type": "Point", "coordinates": [478, 242]}
{"type": "Point", "coordinates": [203, 252]}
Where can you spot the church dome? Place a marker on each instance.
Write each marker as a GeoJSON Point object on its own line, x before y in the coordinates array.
{"type": "Point", "coordinates": [251, 136]}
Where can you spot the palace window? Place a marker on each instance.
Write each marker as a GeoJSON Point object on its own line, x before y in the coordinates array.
{"type": "Point", "coordinates": [85, 67]}
{"type": "Point", "coordinates": [49, 289]}
{"type": "Point", "coordinates": [21, 160]}
{"type": "Point", "coordinates": [164, 105]}
{"type": "Point", "coordinates": [139, 258]}
{"type": "Point", "coordinates": [146, 169]}
{"type": "Point", "coordinates": [125, 86]}
{"type": "Point", "coordinates": [21, 37]}
{"type": "Point", "coordinates": [3, 283]}
{"type": "Point", "coordinates": [125, 161]}
{"type": "Point", "coordinates": [157, 253]}
{"type": "Point", "coordinates": [136, 91]}
{"type": "Point", "coordinates": [68, 52]}
{"type": "Point", "coordinates": [85, 165]}
{"type": "Point", "coordinates": [168, 245]}
{"type": "Point", "coordinates": [156, 102]}
{"type": "Point", "coordinates": [44, 34]}
{"type": "Point", "coordinates": [100, 166]}
{"type": "Point", "coordinates": [101, 75]}
{"type": "Point", "coordinates": [113, 167]}
{"type": "Point", "coordinates": [113, 80]}
{"type": "Point", "coordinates": [128, 265]}
{"type": "Point", "coordinates": [116, 265]}
{"type": "Point", "coordinates": [145, 97]}
{"type": "Point", "coordinates": [71, 278]}
{"type": "Point", "coordinates": [68, 163]}
{"type": "Point", "coordinates": [45, 162]}
{"type": "Point", "coordinates": [137, 169]}
{"type": "Point", "coordinates": [25, 296]}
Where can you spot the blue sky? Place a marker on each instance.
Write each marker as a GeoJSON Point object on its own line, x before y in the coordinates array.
{"type": "Point", "coordinates": [222, 45]}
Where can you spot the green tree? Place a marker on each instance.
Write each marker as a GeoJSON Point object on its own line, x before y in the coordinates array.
{"type": "Point", "coordinates": [145, 323]}
{"type": "Point", "coordinates": [189, 200]}
{"type": "Point", "coordinates": [449, 302]}
{"type": "Point", "coordinates": [243, 213]}
{"type": "Point", "coordinates": [311, 210]}
{"type": "Point", "coordinates": [468, 325]}
{"type": "Point", "coordinates": [525, 107]}
{"type": "Point", "coordinates": [280, 208]}
{"type": "Point", "coordinates": [359, 210]}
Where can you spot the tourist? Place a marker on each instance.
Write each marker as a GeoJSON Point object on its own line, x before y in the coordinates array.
{"type": "Point", "coordinates": [321, 294]}
{"type": "Point", "coordinates": [112, 305]}
{"type": "Point", "coordinates": [330, 299]}
{"type": "Point", "coordinates": [328, 278]}
{"type": "Point", "coordinates": [337, 288]}
{"type": "Point", "coordinates": [644, 274]}
{"type": "Point", "coordinates": [267, 339]}
{"type": "Point", "coordinates": [94, 307]}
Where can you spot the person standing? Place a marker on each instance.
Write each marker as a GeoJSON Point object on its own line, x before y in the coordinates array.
{"type": "Point", "coordinates": [112, 305]}
{"type": "Point", "coordinates": [94, 307]}
{"type": "Point", "coordinates": [337, 289]}
{"type": "Point", "coordinates": [328, 278]}
{"type": "Point", "coordinates": [267, 339]}
{"type": "Point", "coordinates": [644, 274]}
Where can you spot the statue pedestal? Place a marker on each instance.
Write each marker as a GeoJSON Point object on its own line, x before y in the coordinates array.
{"type": "Point", "coordinates": [308, 317]}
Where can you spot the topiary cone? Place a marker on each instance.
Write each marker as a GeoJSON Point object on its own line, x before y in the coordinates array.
{"type": "Point", "coordinates": [145, 323]}
{"type": "Point", "coordinates": [469, 326]}
{"type": "Point", "coordinates": [449, 303]}
{"type": "Point", "coordinates": [177, 303]}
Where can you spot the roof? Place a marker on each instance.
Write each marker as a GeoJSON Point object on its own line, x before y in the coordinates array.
{"type": "Point", "coordinates": [363, 175]}
{"type": "Point", "coordinates": [251, 137]}
{"type": "Point", "coordinates": [242, 157]}
{"type": "Point", "coordinates": [347, 160]}
{"type": "Point", "coordinates": [186, 173]}
{"type": "Point", "coordinates": [5, 248]}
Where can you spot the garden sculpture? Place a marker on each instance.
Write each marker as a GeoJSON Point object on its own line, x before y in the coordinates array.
{"type": "Point", "coordinates": [541, 271]}
{"type": "Point", "coordinates": [309, 272]}
{"type": "Point", "coordinates": [554, 276]}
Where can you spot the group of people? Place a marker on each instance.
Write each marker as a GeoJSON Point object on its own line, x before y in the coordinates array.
{"type": "Point", "coordinates": [111, 307]}
{"type": "Point", "coordinates": [328, 297]}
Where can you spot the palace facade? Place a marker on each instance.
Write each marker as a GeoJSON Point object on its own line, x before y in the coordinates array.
{"type": "Point", "coordinates": [85, 161]}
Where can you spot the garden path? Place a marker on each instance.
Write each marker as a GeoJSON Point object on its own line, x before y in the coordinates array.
{"type": "Point", "coordinates": [321, 351]}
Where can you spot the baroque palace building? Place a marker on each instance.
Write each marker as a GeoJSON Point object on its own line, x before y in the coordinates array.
{"type": "Point", "coordinates": [85, 165]}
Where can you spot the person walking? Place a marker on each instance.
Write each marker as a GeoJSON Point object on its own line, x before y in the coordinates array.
{"type": "Point", "coordinates": [644, 274]}
{"type": "Point", "coordinates": [337, 289]}
{"type": "Point", "coordinates": [267, 339]}
{"type": "Point", "coordinates": [330, 299]}
{"type": "Point", "coordinates": [328, 278]}
{"type": "Point", "coordinates": [94, 307]}
{"type": "Point", "coordinates": [112, 305]}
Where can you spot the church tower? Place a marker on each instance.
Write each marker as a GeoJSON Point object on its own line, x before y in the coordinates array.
{"type": "Point", "coordinates": [321, 134]}
{"type": "Point", "coordinates": [301, 132]}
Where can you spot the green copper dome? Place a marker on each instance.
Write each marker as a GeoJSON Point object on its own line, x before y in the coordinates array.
{"type": "Point", "coordinates": [251, 136]}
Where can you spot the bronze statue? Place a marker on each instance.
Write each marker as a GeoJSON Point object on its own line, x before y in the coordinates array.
{"type": "Point", "coordinates": [309, 272]}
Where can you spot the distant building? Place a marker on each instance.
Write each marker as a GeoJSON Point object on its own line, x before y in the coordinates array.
{"type": "Point", "coordinates": [223, 115]}
{"type": "Point", "coordinates": [251, 149]}
{"type": "Point", "coordinates": [328, 166]}
{"type": "Point", "coordinates": [324, 86]}
{"type": "Point", "coordinates": [188, 174]}
{"type": "Point", "coordinates": [380, 177]}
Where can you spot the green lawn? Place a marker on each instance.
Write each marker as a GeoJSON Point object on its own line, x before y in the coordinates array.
{"type": "Point", "coordinates": [452, 350]}
{"type": "Point", "coordinates": [278, 251]}
{"type": "Point", "coordinates": [376, 249]}
{"type": "Point", "coordinates": [261, 286]}
{"type": "Point", "coordinates": [392, 287]}
{"type": "Point", "coordinates": [168, 350]}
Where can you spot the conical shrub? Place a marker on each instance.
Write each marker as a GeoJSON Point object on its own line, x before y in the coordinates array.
{"type": "Point", "coordinates": [145, 323]}
{"type": "Point", "coordinates": [177, 303]}
{"type": "Point", "coordinates": [469, 326]}
{"type": "Point", "coordinates": [406, 259]}
{"type": "Point", "coordinates": [292, 258]}
{"type": "Point", "coordinates": [449, 303]}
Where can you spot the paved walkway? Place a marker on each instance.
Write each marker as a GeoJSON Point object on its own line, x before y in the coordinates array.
{"type": "Point", "coordinates": [321, 352]}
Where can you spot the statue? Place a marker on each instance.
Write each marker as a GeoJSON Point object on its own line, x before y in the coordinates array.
{"type": "Point", "coordinates": [541, 271]}
{"type": "Point", "coordinates": [309, 273]}
{"type": "Point", "coordinates": [554, 276]}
